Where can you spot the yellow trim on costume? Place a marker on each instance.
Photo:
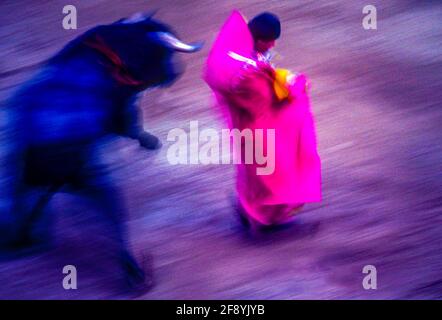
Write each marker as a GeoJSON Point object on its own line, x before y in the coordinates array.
{"type": "Point", "coordinates": [281, 83]}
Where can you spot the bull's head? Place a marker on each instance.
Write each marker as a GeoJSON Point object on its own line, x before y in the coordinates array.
{"type": "Point", "coordinates": [148, 48]}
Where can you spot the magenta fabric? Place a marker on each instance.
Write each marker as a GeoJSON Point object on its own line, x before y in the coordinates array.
{"type": "Point", "coordinates": [247, 99]}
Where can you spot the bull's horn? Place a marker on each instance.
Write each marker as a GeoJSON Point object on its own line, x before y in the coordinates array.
{"type": "Point", "coordinates": [173, 43]}
{"type": "Point", "coordinates": [150, 14]}
{"type": "Point", "coordinates": [135, 18]}
{"type": "Point", "coordinates": [140, 16]}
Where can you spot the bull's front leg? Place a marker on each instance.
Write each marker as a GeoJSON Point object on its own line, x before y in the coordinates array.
{"type": "Point", "coordinates": [133, 126]}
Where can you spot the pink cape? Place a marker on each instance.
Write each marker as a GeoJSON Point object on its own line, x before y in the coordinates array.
{"type": "Point", "coordinates": [247, 99]}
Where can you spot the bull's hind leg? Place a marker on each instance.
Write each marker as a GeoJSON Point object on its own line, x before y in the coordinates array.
{"type": "Point", "coordinates": [31, 226]}
{"type": "Point", "coordinates": [100, 188]}
{"type": "Point", "coordinates": [107, 200]}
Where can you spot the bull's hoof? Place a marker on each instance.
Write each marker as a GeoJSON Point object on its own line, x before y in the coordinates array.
{"type": "Point", "coordinates": [138, 281]}
{"type": "Point", "coordinates": [149, 141]}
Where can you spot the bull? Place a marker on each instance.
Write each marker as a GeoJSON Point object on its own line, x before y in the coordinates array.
{"type": "Point", "coordinates": [55, 123]}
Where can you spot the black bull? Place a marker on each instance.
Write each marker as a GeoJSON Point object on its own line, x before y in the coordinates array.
{"type": "Point", "coordinates": [54, 125]}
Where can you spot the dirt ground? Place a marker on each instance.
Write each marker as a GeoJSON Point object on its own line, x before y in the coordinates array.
{"type": "Point", "coordinates": [376, 96]}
